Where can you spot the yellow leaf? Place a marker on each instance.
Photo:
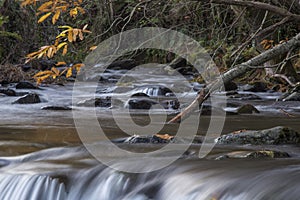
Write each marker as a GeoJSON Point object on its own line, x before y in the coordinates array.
{"type": "Point", "coordinates": [45, 5]}
{"type": "Point", "coordinates": [93, 48]}
{"type": "Point", "coordinates": [69, 72]}
{"type": "Point", "coordinates": [60, 63]}
{"type": "Point", "coordinates": [86, 31]}
{"type": "Point", "coordinates": [44, 17]}
{"type": "Point", "coordinates": [61, 45]}
{"type": "Point", "coordinates": [41, 54]}
{"type": "Point", "coordinates": [42, 73]}
{"type": "Point", "coordinates": [31, 55]}
{"type": "Point", "coordinates": [74, 12]}
{"type": "Point", "coordinates": [65, 50]}
{"type": "Point", "coordinates": [55, 17]}
{"type": "Point", "coordinates": [55, 70]}
{"type": "Point", "coordinates": [41, 79]}
{"type": "Point", "coordinates": [70, 36]}
{"type": "Point", "coordinates": [68, 27]}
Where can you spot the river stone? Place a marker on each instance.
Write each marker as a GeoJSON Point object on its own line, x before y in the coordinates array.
{"type": "Point", "coordinates": [159, 139]}
{"type": "Point", "coordinates": [96, 102]}
{"type": "Point", "coordinates": [56, 108]}
{"type": "Point", "coordinates": [140, 103]}
{"type": "Point", "coordinates": [28, 99]}
{"type": "Point", "coordinates": [123, 64]}
{"type": "Point", "coordinates": [26, 85]}
{"type": "Point", "coordinates": [255, 87]}
{"type": "Point", "coordinates": [247, 109]}
{"type": "Point", "coordinates": [243, 97]}
{"type": "Point", "coordinates": [230, 86]}
{"type": "Point", "coordinates": [8, 92]}
{"type": "Point", "coordinates": [254, 154]}
{"type": "Point", "coordinates": [272, 136]}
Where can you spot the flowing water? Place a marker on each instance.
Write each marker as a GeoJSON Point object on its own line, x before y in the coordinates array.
{"type": "Point", "coordinates": [42, 157]}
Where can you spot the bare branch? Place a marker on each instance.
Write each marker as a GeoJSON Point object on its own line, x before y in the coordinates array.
{"type": "Point", "coordinates": [260, 5]}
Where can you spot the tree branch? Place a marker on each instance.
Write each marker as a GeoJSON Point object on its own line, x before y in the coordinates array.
{"type": "Point", "coordinates": [238, 71]}
{"type": "Point", "coordinates": [259, 5]}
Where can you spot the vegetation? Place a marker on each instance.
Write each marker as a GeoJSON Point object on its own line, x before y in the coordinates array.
{"type": "Point", "coordinates": [232, 31]}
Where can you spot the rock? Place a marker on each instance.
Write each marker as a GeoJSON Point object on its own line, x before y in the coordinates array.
{"type": "Point", "coordinates": [8, 92]}
{"type": "Point", "coordinates": [247, 109]}
{"type": "Point", "coordinates": [230, 86]}
{"type": "Point", "coordinates": [28, 99]}
{"type": "Point", "coordinates": [97, 102]}
{"type": "Point", "coordinates": [273, 136]}
{"type": "Point", "coordinates": [26, 85]}
{"type": "Point", "coordinates": [255, 87]}
{"type": "Point", "coordinates": [56, 108]}
{"type": "Point", "coordinates": [254, 154]}
{"type": "Point", "coordinates": [295, 96]}
{"type": "Point", "coordinates": [159, 139]}
{"type": "Point", "coordinates": [140, 103]}
{"type": "Point", "coordinates": [123, 64]}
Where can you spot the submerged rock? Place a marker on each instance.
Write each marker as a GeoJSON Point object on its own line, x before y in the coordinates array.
{"type": "Point", "coordinates": [56, 108]}
{"type": "Point", "coordinates": [28, 99]}
{"type": "Point", "coordinates": [254, 154]}
{"type": "Point", "coordinates": [123, 64]}
{"type": "Point", "coordinates": [255, 87]}
{"type": "Point", "coordinates": [140, 103]}
{"type": "Point", "coordinates": [247, 109]}
{"type": "Point", "coordinates": [272, 136]}
{"type": "Point", "coordinates": [26, 85]}
{"type": "Point", "coordinates": [8, 92]}
{"type": "Point", "coordinates": [96, 102]}
{"type": "Point", "coordinates": [230, 86]}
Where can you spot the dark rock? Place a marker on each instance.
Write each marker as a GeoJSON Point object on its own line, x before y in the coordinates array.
{"type": "Point", "coordinates": [273, 136]}
{"type": "Point", "coordinates": [295, 96]}
{"type": "Point", "coordinates": [255, 87]}
{"type": "Point", "coordinates": [28, 99]}
{"type": "Point", "coordinates": [247, 109]}
{"type": "Point", "coordinates": [8, 92]}
{"type": "Point", "coordinates": [159, 139]}
{"type": "Point", "coordinates": [254, 154]}
{"type": "Point", "coordinates": [97, 102]}
{"type": "Point", "coordinates": [56, 108]}
{"type": "Point", "coordinates": [26, 85]}
{"type": "Point", "coordinates": [230, 86]}
{"type": "Point", "coordinates": [123, 64]}
{"type": "Point", "coordinates": [179, 62]}
{"type": "Point", "coordinates": [154, 91]}
{"type": "Point", "coordinates": [140, 103]}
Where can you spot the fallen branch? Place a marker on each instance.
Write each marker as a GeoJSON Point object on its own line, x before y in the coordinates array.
{"type": "Point", "coordinates": [236, 72]}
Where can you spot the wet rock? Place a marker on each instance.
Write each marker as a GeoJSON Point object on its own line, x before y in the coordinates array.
{"type": "Point", "coordinates": [8, 92]}
{"type": "Point", "coordinates": [207, 110]}
{"type": "Point", "coordinates": [254, 154]}
{"type": "Point", "coordinates": [96, 102]}
{"type": "Point", "coordinates": [140, 103]}
{"type": "Point", "coordinates": [123, 64]}
{"type": "Point", "coordinates": [26, 85]}
{"type": "Point", "coordinates": [295, 96]}
{"type": "Point", "coordinates": [247, 109]}
{"type": "Point", "coordinates": [255, 87]}
{"type": "Point", "coordinates": [28, 99]}
{"type": "Point", "coordinates": [159, 139]}
{"type": "Point", "coordinates": [61, 108]}
{"type": "Point", "coordinates": [273, 136]}
{"type": "Point", "coordinates": [230, 86]}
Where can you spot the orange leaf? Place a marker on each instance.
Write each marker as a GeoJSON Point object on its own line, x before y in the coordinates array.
{"type": "Point", "coordinates": [55, 70]}
{"type": "Point", "coordinates": [55, 17]}
{"type": "Point", "coordinates": [70, 35]}
{"type": "Point", "coordinates": [42, 73]}
{"type": "Point", "coordinates": [44, 17]}
{"type": "Point", "coordinates": [45, 5]}
{"type": "Point", "coordinates": [60, 63]}
{"type": "Point", "coordinates": [75, 33]}
{"type": "Point", "coordinates": [93, 48]}
{"type": "Point", "coordinates": [65, 50]}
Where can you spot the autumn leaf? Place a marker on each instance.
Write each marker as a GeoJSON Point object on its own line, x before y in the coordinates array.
{"type": "Point", "coordinates": [44, 17]}
{"type": "Point", "coordinates": [45, 5]}
{"type": "Point", "coordinates": [65, 50]}
{"type": "Point", "coordinates": [92, 48]}
{"type": "Point", "coordinates": [55, 16]}
{"type": "Point", "coordinates": [69, 72]}
{"type": "Point", "coordinates": [42, 73]}
{"type": "Point", "coordinates": [70, 35]}
{"type": "Point", "coordinates": [60, 63]}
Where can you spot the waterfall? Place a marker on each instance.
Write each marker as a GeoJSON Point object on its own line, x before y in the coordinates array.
{"type": "Point", "coordinates": [33, 187]}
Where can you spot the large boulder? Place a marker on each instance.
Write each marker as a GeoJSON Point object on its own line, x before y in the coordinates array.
{"type": "Point", "coordinates": [8, 92]}
{"type": "Point", "coordinates": [254, 154]}
{"type": "Point", "coordinates": [247, 109]}
{"type": "Point", "coordinates": [272, 136]}
{"type": "Point", "coordinates": [26, 85]}
{"type": "Point", "coordinates": [96, 102]}
{"type": "Point", "coordinates": [28, 99]}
